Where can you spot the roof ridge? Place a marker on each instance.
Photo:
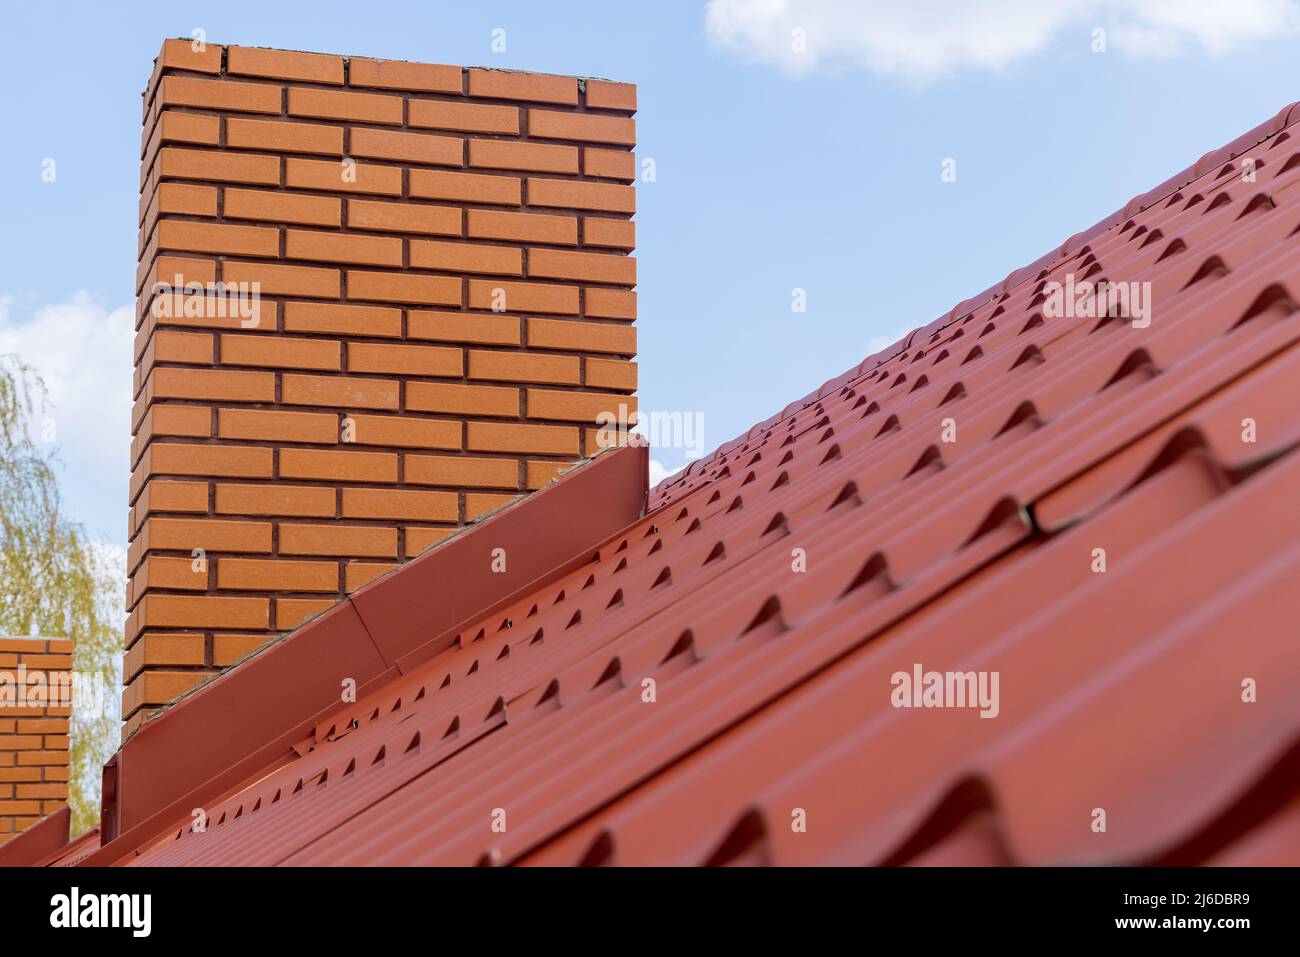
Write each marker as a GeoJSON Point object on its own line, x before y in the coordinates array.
{"type": "Point", "coordinates": [1283, 119]}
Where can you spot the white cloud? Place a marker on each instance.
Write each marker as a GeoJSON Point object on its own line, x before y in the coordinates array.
{"type": "Point", "coordinates": [659, 472]}
{"type": "Point", "coordinates": [83, 352]}
{"type": "Point", "coordinates": [923, 40]}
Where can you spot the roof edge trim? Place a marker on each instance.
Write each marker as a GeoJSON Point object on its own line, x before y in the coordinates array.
{"type": "Point", "coordinates": [272, 699]}
{"type": "Point", "coordinates": [39, 841]}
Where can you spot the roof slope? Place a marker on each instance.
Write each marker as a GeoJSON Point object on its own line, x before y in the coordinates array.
{"type": "Point", "coordinates": [1120, 690]}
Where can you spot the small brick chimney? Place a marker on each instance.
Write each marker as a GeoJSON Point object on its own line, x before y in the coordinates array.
{"type": "Point", "coordinates": [377, 300]}
{"type": "Point", "coordinates": [35, 705]}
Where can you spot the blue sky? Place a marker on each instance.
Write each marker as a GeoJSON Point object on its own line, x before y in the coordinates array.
{"type": "Point", "coordinates": [775, 169]}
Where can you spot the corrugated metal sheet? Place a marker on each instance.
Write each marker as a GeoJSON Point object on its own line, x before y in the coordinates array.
{"type": "Point", "coordinates": [945, 506]}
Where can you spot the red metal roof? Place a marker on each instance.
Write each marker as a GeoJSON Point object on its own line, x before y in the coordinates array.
{"type": "Point", "coordinates": [1121, 691]}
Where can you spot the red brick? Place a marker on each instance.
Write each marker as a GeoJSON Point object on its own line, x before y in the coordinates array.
{"type": "Point", "coordinates": [342, 318]}
{"type": "Point", "coordinates": [292, 612]}
{"type": "Point", "coordinates": [404, 217]}
{"type": "Point", "coordinates": [465, 187]}
{"type": "Point", "coordinates": [478, 504]}
{"type": "Point", "coordinates": [159, 687]}
{"type": "Point", "coordinates": [338, 391]}
{"type": "Point", "coordinates": [537, 87]}
{"type": "Point", "coordinates": [357, 574]}
{"type": "Point", "coordinates": [540, 472]}
{"type": "Point", "coordinates": [227, 649]}
{"type": "Point", "coordinates": [400, 504]}
{"type": "Point", "coordinates": [590, 267]}
{"type": "Point", "coordinates": [180, 54]}
{"type": "Point", "coordinates": [273, 425]}
{"type": "Point", "coordinates": [586, 407]}
{"type": "Point", "coordinates": [528, 439]}
{"type": "Point", "coordinates": [178, 458]}
{"type": "Point", "coordinates": [43, 726]}
{"type": "Point", "coordinates": [161, 571]}
{"type": "Point", "coordinates": [204, 611]}
{"type": "Point", "coordinates": [321, 354]}
{"type": "Point", "coordinates": [187, 200]}
{"type": "Point", "coordinates": [24, 645]}
{"type": "Point", "coordinates": [419, 539]}
{"type": "Point", "coordinates": [399, 287]}
{"type": "Point", "coordinates": [399, 75]}
{"type": "Point", "coordinates": [617, 338]}
{"type": "Point", "coordinates": [606, 95]}
{"type": "Point", "coordinates": [523, 367]}
{"type": "Point", "coordinates": [58, 791]}
{"type": "Point", "coordinates": [522, 296]}
{"type": "Point", "coordinates": [217, 166]}
{"type": "Point", "coordinates": [464, 117]}
{"type": "Point", "coordinates": [610, 303]}
{"type": "Point", "coordinates": [264, 574]}
{"type": "Point", "coordinates": [590, 127]}
{"type": "Point", "coordinates": [278, 498]}
{"type": "Point", "coordinates": [50, 662]}
{"type": "Point", "coordinates": [278, 280]}
{"type": "Point", "coordinates": [234, 96]}
{"type": "Point", "coordinates": [164, 496]}
{"type": "Point", "coordinates": [186, 347]}
{"type": "Point", "coordinates": [406, 431]}
{"type": "Point", "coordinates": [572, 194]}
{"type": "Point", "coordinates": [343, 177]}
{"type": "Point", "coordinates": [609, 233]}
{"type": "Point", "coordinates": [340, 105]}
{"type": "Point", "coordinates": [162, 650]}
{"type": "Point", "coordinates": [341, 248]}
{"type": "Point", "coordinates": [463, 327]}
{"type": "Point", "coordinates": [466, 257]}
{"type": "Point", "coordinates": [175, 271]}
{"type": "Point", "coordinates": [282, 207]}
{"type": "Point", "coordinates": [408, 147]}
{"type": "Point", "coordinates": [533, 157]}
{"type": "Point", "coordinates": [218, 238]}
{"type": "Point", "coordinates": [187, 534]}
{"type": "Point", "coordinates": [284, 65]}
{"type": "Point", "coordinates": [281, 137]}
{"type": "Point", "coordinates": [13, 808]}
{"type": "Point", "coordinates": [176, 127]}
{"type": "Point", "coordinates": [338, 465]}
{"type": "Point", "coordinates": [362, 541]}
{"type": "Point", "coordinates": [457, 399]}
{"type": "Point", "coordinates": [610, 374]}
{"type": "Point", "coordinates": [169, 383]}
{"type": "Point", "coordinates": [39, 758]}
{"type": "Point", "coordinates": [460, 471]}
{"type": "Point", "coordinates": [523, 227]}
{"type": "Point", "coordinates": [404, 359]}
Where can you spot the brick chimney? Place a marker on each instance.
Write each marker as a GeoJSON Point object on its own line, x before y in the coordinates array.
{"type": "Point", "coordinates": [35, 704]}
{"type": "Point", "coordinates": [377, 300]}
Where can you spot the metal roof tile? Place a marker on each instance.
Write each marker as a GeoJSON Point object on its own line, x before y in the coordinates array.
{"type": "Point", "coordinates": [724, 662]}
